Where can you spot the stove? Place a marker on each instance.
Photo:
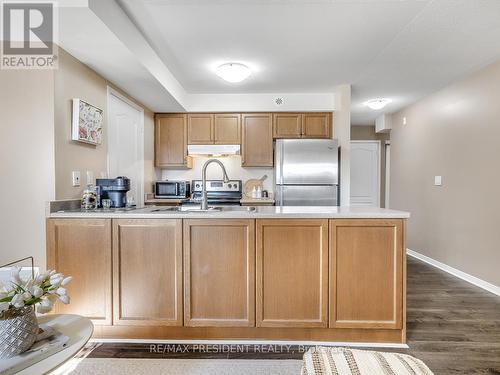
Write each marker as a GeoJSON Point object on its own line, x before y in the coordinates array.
{"type": "Point", "coordinates": [218, 192]}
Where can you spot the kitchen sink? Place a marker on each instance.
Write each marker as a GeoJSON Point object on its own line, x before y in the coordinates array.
{"type": "Point", "coordinates": [210, 209]}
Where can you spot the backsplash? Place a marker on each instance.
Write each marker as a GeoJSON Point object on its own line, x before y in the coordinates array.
{"type": "Point", "coordinates": [233, 168]}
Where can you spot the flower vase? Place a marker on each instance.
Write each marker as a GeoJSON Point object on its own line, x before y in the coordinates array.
{"type": "Point", "coordinates": [18, 331]}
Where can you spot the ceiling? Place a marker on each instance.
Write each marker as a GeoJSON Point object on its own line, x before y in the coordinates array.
{"type": "Point", "coordinates": [399, 49]}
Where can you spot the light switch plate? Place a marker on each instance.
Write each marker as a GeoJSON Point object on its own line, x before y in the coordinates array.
{"type": "Point", "coordinates": [75, 178]}
{"type": "Point", "coordinates": [90, 178]}
{"type": "Point", "coordinates": [438, 181]}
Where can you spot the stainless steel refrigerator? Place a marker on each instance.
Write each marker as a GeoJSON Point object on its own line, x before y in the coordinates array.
{"type": "Point", "coordinates": [306, 172]}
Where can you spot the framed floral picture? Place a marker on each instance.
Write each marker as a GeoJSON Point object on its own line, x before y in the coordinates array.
{"type": "Point", "coordinates": [87, 122]}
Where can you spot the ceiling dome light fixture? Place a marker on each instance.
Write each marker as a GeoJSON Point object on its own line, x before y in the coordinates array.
{"type": "Point", "coordinates": [233, 72]}
{"type": "Point", "coordinates": [377, 103]}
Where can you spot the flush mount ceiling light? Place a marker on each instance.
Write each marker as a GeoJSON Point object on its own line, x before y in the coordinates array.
{"type": "Point", "coordinates": [377, 103]}
{"type": "Point", "coordinates": [233, 72]}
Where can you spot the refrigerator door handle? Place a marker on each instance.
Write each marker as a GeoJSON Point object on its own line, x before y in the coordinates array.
{"type": "Point", "coordinates": [279, 162]}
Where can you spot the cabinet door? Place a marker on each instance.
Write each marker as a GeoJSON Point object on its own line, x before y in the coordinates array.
{"type": "Point", "coordinates": [171, 141]}
{"type": "Point", "coordinates": [219, 273]}
{"type": "Point", "coordinates": [200, 128]}
{"type": "Point", "coordinates": [287, 125]}
{"type": "Point", "coordinates": [82, 248]}
{"type": "Point", "coordinates": [257, 140]}
{"type": "Point", "coordinates": [147, 272]}
{"type": "Point", "coordinates": [366, 273]}
{"type": "Point", "coordinates": [227, 129]}
{"type": "Point", "coordinates": [317, 125]}
{"type": "Point", "coordinates": [292, 273]}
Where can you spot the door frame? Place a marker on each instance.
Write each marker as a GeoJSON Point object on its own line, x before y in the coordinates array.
{"type": "Point", "coordinates": [379, 162]}
{"type": "Point", "coordinates": [387, 150]}
{"type": "Point", "coordinates": [139, 139]}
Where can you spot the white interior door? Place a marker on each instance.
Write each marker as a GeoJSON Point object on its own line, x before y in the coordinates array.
{"type": "Point", "coordinates": [126, 143]}
{"type": "Point", "coordinates": [365, 173]}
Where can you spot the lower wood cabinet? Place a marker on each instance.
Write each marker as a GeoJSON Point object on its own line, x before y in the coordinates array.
{"type": "Point", "coordinates": [292, 273]}
{"type": "Point", "coordinates": [147, 272]}
{"type": "Point", "coordinates": [366, 273]}
{"type": "Point", "coordinates": [82, 248]}
{"type": "Point", "coordinates": [219, 273]}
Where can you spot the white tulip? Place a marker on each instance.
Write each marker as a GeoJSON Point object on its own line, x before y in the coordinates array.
{"type": "Point", "coordinates": [36, 291]}
{"type": "Point", "coordinates": [4, 306]}
{"type": "Point", "coordinates": [61, 291]}
{"type": "Point", "coordinates": [64, 299]}
{"type": "Point", "coordinates": [66, 280]}
{"type": "Point", "coordinates": [17, 301]}
{"type": "Point", "coordinates": [47, 302]}
{"type": "Point", "coordinates": [39, 279]}
{"type": "Point", "coordinates": [55, 276]}
{"type": "Point", "coordinates": [56, 282]}
{"type": "Point", "coordinates": [26, 296]}
{"type": "Point", "coordinates": [51, 272]}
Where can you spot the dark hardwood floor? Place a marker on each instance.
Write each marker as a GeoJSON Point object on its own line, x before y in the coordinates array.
{"type": "Point", "coordinates": [453, 326]}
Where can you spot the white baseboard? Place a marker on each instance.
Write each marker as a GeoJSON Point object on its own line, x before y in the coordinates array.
{"type": "Point", "coordinates": [257, 342]}
{"type": "Point", "coordinates": [453, 271]}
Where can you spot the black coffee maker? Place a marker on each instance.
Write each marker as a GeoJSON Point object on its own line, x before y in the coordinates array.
{"type": "Point", "coordinates": [114, 189]}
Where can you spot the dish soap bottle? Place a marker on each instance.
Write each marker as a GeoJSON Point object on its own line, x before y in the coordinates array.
{"type": "Point", "coordinates": [254, 192]}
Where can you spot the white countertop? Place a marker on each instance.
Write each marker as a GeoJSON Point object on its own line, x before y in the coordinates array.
{"type": "Point", "coordinates": [262, 212]}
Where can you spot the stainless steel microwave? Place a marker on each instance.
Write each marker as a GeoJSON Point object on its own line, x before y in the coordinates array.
{"type": "Point", "coordinates": [172, 189]}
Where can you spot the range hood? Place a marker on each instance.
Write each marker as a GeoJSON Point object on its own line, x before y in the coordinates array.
{"type": "Point", "coordinates": [213, 150]}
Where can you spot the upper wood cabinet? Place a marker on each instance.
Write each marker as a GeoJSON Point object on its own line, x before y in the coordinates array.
{"type": "Point", "coordinates": [292, 273]}
{"type": "Point", "coordinates": [257, 140]}
{"type": "Point", "coordinates": [317, 125]}
{"type": "Point", "coordinates": [366, 273]}
{"type": "Point", "coordinates": [287, 125]}
{"type": "Point", "coordinates": [200, 128]}
{"type": "Point", "coordinates": [147, 272]}
{"type": "Point", "coordinates": [219, 273]}
{"type": "Point", "coordinates": [302, 125]}
{"type": "Point", "coordinates": [82, 248]}
{"type": "Point", "coordinates": [227, 128]}
{"type": "Point", "coordinates": [171, 141]}
{"type": "Point", "coordinates": [220, 128]}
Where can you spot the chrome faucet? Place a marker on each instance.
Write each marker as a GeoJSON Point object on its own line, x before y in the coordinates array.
{"type": "Point", "coordinates": [204, 199]}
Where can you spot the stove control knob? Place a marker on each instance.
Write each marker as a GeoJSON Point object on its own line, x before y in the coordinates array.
{"type": "Point", "coordinates": [197, 185]}
{"type": "Point", "coordinates": [229, 186]}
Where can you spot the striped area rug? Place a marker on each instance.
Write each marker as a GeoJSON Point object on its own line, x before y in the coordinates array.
{"type": "Point", "coordinates": [342, 361]}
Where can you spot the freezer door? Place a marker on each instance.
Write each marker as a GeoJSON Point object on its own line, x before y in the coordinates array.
{"type": "Point", "coordinates": [306, 161]}
{"type": "Point", "coordinates": [311, 195]}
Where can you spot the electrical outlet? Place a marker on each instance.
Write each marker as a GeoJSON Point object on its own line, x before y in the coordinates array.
{"type": "Point", "coordinates": [438, 181]}
{"type": "Point", "coordinates": [76, 178]}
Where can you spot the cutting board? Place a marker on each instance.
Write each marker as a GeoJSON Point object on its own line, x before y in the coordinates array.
{"type": "Point", "coordinates": [250, 184]}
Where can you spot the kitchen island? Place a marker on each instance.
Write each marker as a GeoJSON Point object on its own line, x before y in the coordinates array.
{"type": "Point", "coordinates": [267, 273]}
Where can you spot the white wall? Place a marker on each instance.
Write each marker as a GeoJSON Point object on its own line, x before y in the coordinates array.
{"type": "Point", "coordinates": [261, 102]}
{"type": "Point", "coordinates": [342, 132]}
{"type": "Point", "coordinates": [233, 168]}
{"type": "Point", "coordinates": [26, 162]}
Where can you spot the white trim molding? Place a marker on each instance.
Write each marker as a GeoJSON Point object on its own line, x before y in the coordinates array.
{"type": "Point", "coordinates": [457, 273]}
